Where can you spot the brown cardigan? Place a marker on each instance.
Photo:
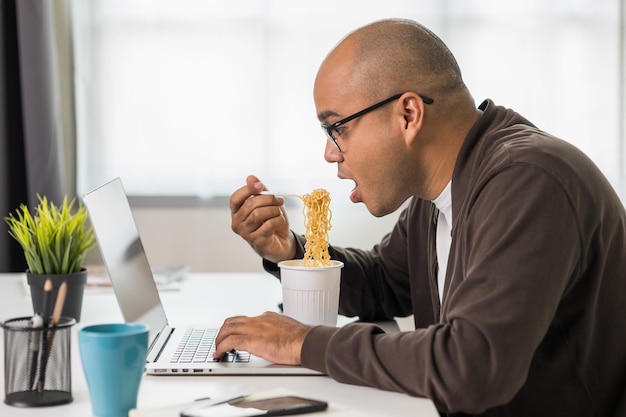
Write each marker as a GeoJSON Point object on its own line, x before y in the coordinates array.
{"type": "Point", "coordinates": [533, 321]}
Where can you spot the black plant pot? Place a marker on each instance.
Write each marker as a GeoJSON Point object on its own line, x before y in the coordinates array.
{"type": "Point", "coordinates": [73, 299]}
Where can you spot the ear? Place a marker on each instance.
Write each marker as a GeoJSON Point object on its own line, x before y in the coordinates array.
{"type": "Point", "coordinates": [413, 116]}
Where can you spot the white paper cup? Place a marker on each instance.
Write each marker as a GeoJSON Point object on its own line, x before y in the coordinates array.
{"type": "Point", "coordinates": [311, 294]}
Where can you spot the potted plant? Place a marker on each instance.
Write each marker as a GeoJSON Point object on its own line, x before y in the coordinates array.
{"type": "Point", "coordinates": [55, 241]}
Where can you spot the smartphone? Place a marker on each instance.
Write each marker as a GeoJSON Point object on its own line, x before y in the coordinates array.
{"type": "Point", "coordinates": [276, 406]}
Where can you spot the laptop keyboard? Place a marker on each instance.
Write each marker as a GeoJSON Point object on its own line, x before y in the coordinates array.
{"type": "Point", "coordinates": [198, 346]}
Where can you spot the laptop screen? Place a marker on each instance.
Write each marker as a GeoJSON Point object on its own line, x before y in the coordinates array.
{"type": "Point", "coordinates": [124, 256]}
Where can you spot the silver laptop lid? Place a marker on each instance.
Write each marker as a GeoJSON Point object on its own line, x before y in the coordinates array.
{"type": "Point", "coordinates": [124, 256]}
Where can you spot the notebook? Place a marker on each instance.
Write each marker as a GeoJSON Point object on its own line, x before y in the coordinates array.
{"type": "Point", "coordinates": [137, 295]}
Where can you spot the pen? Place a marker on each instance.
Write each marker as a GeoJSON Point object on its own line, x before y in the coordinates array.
{"type": "Point", "coordinates": [47, 289]}
{"type": "Point", "coordinates": [56, 316]}
{"type": "Point", "coordinates": [47, 293]}
{"type": "Point", "coordinates": [36, 322]}
{"type": "Point", "coordinates": [189, 412]}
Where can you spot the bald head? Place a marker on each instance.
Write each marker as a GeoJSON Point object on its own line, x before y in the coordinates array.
{"type": "Point", "coordinates": [394, 56]}
{"type": "Point", "coordinates": [408, 147]}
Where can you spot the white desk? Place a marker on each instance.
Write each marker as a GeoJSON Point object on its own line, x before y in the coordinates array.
{"type": "Point", "coordinates": [203, 299]}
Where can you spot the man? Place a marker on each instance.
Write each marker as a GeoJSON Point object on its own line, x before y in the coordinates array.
{"type": "Point", "coordinates": [526, 317]}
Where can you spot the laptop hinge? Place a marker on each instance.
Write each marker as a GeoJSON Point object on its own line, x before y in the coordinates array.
{"type": "Point", "coordinates": [159, 342]}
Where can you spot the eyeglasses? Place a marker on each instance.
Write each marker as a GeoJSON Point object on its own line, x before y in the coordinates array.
{"type": "Point", "coordinates": [328, 128]}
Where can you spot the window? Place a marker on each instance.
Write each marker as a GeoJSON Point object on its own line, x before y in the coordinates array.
{"type": "Point", "coordinates": [189, 97]}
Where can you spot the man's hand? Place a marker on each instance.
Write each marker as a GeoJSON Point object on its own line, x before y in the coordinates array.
{"type": "Point", "coordinates": [261, 220]}
{"type": "Point", "coordinates": [271, 336]}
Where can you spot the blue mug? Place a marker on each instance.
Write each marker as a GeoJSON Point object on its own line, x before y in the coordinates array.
{"type": "Point", "coordinates": [113, 358]}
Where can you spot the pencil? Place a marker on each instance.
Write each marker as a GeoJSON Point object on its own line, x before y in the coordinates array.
{"type": "Point", "coordinates": [58, 305]}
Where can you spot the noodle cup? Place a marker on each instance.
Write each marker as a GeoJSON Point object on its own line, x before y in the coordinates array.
{"type": "Point", "coordinates": [311, 294]}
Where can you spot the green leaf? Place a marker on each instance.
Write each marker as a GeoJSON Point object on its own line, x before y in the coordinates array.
{"type": "Point", "coordinates": [55, 240]}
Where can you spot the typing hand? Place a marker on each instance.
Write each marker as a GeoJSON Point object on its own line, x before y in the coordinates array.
{"type": "Point", "coordinates": [262, 221]}
{"type": "Point", "coordinates": [271, 336]}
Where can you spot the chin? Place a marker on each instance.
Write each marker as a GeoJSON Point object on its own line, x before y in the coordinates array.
{"type": "Point", "coordinates": [382, 210]}
{"type": "Point", "coordinates": [377, 211]}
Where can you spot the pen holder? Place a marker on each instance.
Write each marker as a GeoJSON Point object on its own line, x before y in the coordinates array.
{"type": "Point", "coordinates": [37, 363]}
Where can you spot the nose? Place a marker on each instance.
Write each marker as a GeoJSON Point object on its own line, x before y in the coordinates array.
{"type": "Point", "coordinates": [332, 153]}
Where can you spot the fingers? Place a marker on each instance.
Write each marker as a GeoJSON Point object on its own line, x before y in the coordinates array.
{"type": "Point", "coordinates": [253, 215]}
{"type": "Point", "coordinates": [238, 198]}
{"type": "Point", "coordinates": [252, 179]}
{"type": "Point", "coordinates": [261, 220]}
{"type": "Point", "coordinates": [242, 205]}
{"type": "Point", "coordinates": [228, 338]}
{"type": "Point", "coordinates": [272, 336]}
{"type": "Point", "coordinates": [235, 332]}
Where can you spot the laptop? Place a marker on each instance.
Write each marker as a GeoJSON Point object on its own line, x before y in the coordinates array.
{"type": "Point", "coordinates": [173, 350]}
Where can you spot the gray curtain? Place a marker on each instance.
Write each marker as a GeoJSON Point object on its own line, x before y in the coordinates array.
{"type": "Point", "coordinates": [31, 157]}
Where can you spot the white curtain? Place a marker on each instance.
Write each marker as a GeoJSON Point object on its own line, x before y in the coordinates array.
{"type": "Point", "coordinates": [188, 97]}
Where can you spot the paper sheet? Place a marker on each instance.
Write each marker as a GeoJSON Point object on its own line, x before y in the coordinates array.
{"type": "Point", "coordinates": [175, 409]}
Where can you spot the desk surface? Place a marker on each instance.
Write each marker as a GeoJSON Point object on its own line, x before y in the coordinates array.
{"type": "Point", "coordinates": [202, 299]}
